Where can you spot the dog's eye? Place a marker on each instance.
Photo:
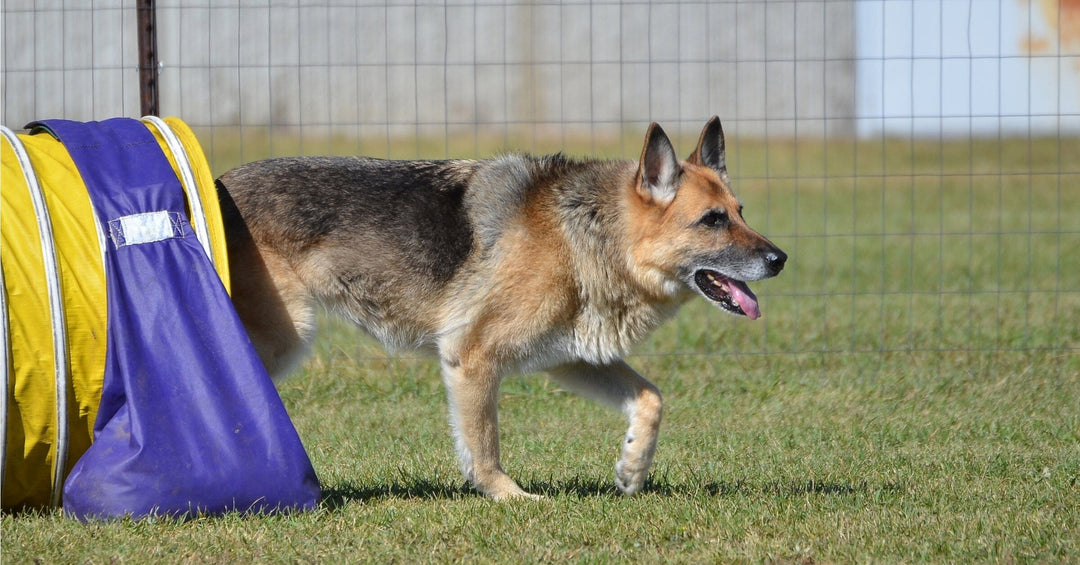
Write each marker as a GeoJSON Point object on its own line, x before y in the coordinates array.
{"type": "Point", "coordinates": [714, 219]}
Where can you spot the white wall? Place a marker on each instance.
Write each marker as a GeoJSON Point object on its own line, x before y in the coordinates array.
{"type": "Point", "coordinates": [961, 67]}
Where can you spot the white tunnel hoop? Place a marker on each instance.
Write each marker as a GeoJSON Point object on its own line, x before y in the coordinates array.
{"type": "Point", "coordinates": [187, 178]}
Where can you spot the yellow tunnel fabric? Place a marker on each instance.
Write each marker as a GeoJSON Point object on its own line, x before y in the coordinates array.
{"type": "Point", "coordinates": [30, 428]}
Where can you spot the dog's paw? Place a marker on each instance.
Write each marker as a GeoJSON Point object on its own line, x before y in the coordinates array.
{"type": "Point", "coordinates": [520, 495]}
{"type": "Point", "coordinates": [630, 478]}
{"type": "Point", "coordinates": [514, 494]}
{"type": "Point", "coordinates": [501, 487]}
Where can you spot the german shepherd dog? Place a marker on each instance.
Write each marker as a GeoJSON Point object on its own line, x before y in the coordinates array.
{"type": "Point", "coordinates": [513, 264]}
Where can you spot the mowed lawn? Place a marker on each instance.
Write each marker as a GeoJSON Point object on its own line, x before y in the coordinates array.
{"type": "Point", "coordinates": [911, 394]}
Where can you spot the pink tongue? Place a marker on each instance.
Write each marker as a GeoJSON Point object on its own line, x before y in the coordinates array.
{"type": "Point", "coordinates": [744, 298]}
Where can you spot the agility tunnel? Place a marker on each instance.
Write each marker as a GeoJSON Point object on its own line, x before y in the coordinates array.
{"type": "Point", "coordinates": [131, 388]}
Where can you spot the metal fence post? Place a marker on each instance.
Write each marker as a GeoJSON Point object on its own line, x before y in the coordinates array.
{"type": "Point", "coordinates": [148, 59]}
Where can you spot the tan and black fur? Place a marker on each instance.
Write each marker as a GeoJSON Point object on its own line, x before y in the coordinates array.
{"type": "Point", "coordinates": [508, 265]}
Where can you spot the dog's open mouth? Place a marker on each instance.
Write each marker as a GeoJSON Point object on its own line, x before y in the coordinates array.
{"type": "Point", "coordinates": [732, 295]}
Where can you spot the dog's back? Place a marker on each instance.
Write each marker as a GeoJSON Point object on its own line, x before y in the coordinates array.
{"type": "Point", "coordinates": [395, 211]}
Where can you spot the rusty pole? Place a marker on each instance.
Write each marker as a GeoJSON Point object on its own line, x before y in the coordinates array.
{"type": "Point", "coordinates": [148, 60]}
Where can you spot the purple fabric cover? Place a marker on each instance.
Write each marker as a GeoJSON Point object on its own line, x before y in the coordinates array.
{"type": "Point", "coordinates": [189, 420]}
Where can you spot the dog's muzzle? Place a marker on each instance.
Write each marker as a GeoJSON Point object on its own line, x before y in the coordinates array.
{"type": "Point", "coordinates": [734, 295]}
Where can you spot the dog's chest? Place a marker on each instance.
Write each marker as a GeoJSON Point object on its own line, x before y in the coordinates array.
{"type": "Point", "coordinates": [603, 335]}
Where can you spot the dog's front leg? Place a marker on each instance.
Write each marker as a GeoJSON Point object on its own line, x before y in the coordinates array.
{"type": "Point", "coordinates": [620, 387]}
{"type": "Point", "coordinates": [473, 390]}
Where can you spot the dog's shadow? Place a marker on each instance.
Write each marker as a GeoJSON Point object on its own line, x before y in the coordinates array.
{"type": "Point", "coordinates": [341, 494]}
{"type": "Point", "coordinates": [338, 495]}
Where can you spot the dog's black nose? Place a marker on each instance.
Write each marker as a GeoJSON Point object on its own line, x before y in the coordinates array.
{"type": "Point", "coordinates": [774, 261]}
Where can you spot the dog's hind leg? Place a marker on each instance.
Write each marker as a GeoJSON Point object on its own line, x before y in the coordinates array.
{"type": "Point", "coordinates": [473, 389]}
{"type": "Point", "coordinates": [620, 387]}
{"type": "Point", "coordinates": [275, 306]}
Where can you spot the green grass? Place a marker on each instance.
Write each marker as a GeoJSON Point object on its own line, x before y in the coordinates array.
{"type": "Point", "coordinates": [912, 394]}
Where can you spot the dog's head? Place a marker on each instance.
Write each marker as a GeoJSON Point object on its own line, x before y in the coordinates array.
{"type": "Point", "coordinates": [691, 229]}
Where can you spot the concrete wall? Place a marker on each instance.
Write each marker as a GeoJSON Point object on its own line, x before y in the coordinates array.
{"type": "Point", "coordinates": [69, 61]}
{"type": "Point", "coordinates": [390, 68]}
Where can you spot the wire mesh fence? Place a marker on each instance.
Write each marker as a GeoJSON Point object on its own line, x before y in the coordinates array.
{"type": "Point", "coordinates": [918, 160]}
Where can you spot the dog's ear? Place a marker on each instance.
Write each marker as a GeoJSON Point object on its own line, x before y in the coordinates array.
{"type": "Point", "coordinates": [710, 149]}
{"type": "Point", "coordinates": [659, 169]}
